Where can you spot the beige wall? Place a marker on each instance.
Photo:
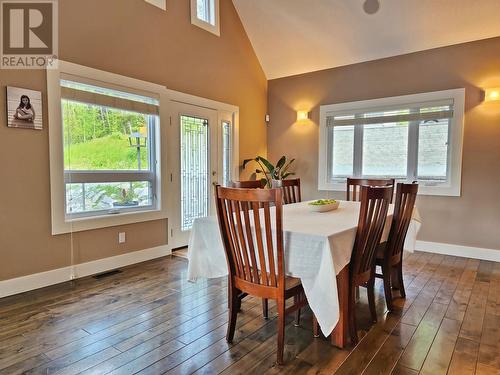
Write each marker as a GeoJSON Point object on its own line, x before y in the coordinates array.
{"type": "Point", "coordinates": [135, 39]}
{"type": "Point", "coordinates": [470, 220]}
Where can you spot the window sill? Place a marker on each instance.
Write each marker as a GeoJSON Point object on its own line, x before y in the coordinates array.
{"type": "Point", "coordinates": [441, 190]}
{"type": "Point", "coordinates": [106, 220]}
{"type": "Point", "coordinates": [214, 29]}
{"type": "Point", "coordinates": [162, 4]}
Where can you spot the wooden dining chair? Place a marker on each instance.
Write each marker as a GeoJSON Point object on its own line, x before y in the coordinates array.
{"type": "Point", "coordinates": [247, 236]}
{"type": "Point", "coordinates": [251, 184]}
{"type": "Point", "coordinates": [354, 186]}
{"type": "Point", "coordinates": [290, 189]}
{"type": "Point", "coordinates": [372, 216]}
{"type": "Point", "coordinates": [390, 253]}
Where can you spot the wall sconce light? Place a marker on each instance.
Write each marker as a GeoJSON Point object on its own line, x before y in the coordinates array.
{"type": "Point", "coordinates": [491, 95]}
{"type": "Point", "coordinates": [302, 115]}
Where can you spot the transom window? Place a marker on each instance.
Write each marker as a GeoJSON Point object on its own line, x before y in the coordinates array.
{"type": "Point", "coordinates": [205, 14]}
{"type": "Point", "coordinates": [205, 11]}
{"type": "Point", "coordinates": [414, 137]}
{"type": "Point", "coordinates": [109, 149]}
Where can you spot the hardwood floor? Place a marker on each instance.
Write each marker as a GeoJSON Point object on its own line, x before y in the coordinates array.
{"type": "Point", "coordinates": [148, 319]}
{"type": "Point", "coordinates": [181, 252]}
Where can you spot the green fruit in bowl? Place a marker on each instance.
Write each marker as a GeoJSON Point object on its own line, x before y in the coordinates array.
{"type": "Point", "coordinates": [322, 202]}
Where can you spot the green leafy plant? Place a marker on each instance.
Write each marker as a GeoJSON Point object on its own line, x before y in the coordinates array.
{"type": "Point", "coordinates": [126, 196]}
{"type": "Point", "coordinates": [271, 172]}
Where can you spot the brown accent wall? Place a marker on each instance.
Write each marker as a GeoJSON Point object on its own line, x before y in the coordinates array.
{"type": "Point", "coordinates": [470, 220]}
{"type": "Point", "coordinates": [138, 40]}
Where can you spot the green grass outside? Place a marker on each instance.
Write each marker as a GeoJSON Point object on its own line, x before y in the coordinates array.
{"type": "Point", "coordinates": [111, 152]}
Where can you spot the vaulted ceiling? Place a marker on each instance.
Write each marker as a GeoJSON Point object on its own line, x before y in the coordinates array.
{"type": "Point", "coordinates": [298, 36]}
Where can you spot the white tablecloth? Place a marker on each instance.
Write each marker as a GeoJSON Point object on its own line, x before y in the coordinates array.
{"type": "Point", "coordinates": [317, 247]}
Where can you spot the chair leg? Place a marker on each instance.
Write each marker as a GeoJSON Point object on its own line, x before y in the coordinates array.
{"type": "Point", "coordinates": [234, 306]}
{"type": "Point", "coordinates": [386, 273]}
{"type": "Point", "coordinates": [400, 278]}
{"type": "Point", "coordinates": [281, 331]}
{"type": "Point", "coordinates": [394, 278]}
{"type": "Point", "coordinates": [265, 307]}
{"type": "Point", "coordinates": [238, 300]}
{"type": "Point", "coordinates": [370, 288]}
{"type": "Point", "coordinates": [315, 327]}
{"type": "Point", "coordinates": [297, 312]}
{"type": "Point", "coordinates": [352, 316]}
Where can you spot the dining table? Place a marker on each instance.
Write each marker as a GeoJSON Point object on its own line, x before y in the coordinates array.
{"type": "Point", "coordinates": [317, 249]}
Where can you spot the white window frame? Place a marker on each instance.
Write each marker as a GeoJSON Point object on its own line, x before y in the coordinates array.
{"type": "Point", "coordinates": [452, 187]}
{"type": "Point", "coordinates": [213, 28]}
{"type": "Point", "coordinates": [226, 118]}
{"type": "Point", "coordinates": [162, 4]}
{"type": "Point", "coordinates": [62, 223]}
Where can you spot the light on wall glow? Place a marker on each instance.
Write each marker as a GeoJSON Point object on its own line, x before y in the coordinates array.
{"type": "Point", "coordinates": [302, 115]}
{"type": "Point", "coordinates": [492, 94]}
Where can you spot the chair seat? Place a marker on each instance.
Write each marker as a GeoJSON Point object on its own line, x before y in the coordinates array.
{"type": "Point", "coordinates": [293, 286]}
{"type": "Point", "coordinates": [292, 282]}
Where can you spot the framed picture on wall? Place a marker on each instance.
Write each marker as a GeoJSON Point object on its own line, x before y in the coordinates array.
{"type": "Point", "coordinates": [24, 108]}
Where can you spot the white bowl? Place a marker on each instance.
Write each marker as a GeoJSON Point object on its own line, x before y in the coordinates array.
{"type": "Point", "coordinates": [324, 207]}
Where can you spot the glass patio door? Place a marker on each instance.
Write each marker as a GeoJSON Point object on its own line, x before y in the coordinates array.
{"type": "Point", "coordinates": [195, 168]}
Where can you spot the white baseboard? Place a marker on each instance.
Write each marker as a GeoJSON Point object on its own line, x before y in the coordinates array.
{"type": "Point", "coordinates": [59, 275]}
{"type": "Point", "coordinates": [457, 250]}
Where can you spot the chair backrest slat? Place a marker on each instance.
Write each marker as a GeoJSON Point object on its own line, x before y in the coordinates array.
{"type": "Point", "coordinates": [236, 228]}
{"type": "Point", "coordinates": [279, 240]}
{"type": "Point", "coordinates": [244, 219]}
{"type": "Point", "coordinates": [406, 195]}
{"type": "Point", "coordinates": [250, 244]}
{"type": "Point", "coordinates": [260, 243]}
{"type": "Point", "coordinates": [233, 243]}
{"type": "Point", "coordinates": [290, 188]}
{"type": "Point", "coordinates": [269, 247]}
{"type": "Point", "coordinates": [242, 240]}
{"type": "Point", "coordinates": [372, 217]}
{"type": "Point", "coordinates": [353, 192]}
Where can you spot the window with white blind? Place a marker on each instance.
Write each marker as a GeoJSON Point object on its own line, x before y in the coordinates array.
{"type": "Point", "coordinates": [104, 149]}
{"type": "Point", "coordinates": [109, 149]}
{"type": "Point", "coordinates": [205, 14]}
{"type": "Point", "coordinates": [410, 138]}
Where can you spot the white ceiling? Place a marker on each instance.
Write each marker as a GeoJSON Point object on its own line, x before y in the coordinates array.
{"type": "Point", "coordinates": [298, 36]}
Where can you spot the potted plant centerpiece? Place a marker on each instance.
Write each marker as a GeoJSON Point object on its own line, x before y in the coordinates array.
{"type": "Point", "coordinates": [269, 172]}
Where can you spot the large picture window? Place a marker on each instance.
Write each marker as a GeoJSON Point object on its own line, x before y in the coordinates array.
{"type": "Point", "coordinates": [414, 137]}
{"type": "Point", "coordinates": [106, 159]}
{"type": "Point", "coordinates": [109, 149]}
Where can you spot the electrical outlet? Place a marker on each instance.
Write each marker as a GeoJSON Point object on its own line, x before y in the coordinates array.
{"type": "Point", "coordinates": [121, 237]}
